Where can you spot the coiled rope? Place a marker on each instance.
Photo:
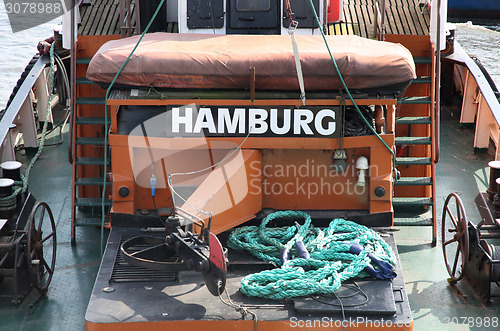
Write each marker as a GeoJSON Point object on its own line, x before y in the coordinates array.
{"type": "Point", "coordinates": [330, 262]}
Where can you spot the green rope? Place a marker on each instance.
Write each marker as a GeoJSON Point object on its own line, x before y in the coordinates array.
{"type": "Point", "coordinates": [330, 262]}
{"type": "Point", "coordinates": [103, 209]}
{"type": "Point", "coordinates": [20, 187]}
{"type": "Point", "coordinates": [396, 176]}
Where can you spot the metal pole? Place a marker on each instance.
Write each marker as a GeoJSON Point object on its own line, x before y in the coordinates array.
{"type": "Point", "coordinates": [382, 28]}
{"type": "Point", "coordinates": [72, 77]}
{"type": "Point", "coordinates": [72, 132]}
{"type": "Point", "coordinates": [437, 109]}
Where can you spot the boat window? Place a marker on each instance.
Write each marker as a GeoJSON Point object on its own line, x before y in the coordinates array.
{"type": "Point", "coordinates": [253, 5]}
{"type": "Point", "coordinates": [205, 14]}
{"type": "Point", "coordinates": [254, 16]}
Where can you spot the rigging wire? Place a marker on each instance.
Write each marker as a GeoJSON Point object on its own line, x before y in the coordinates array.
{"type": "Point", "coordinates": [108, 91]}
{"type": "Point", "coordinates": [351, 97]}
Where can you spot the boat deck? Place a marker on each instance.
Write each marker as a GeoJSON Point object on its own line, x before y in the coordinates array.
{"type": "Point", "coordinates": [434, 304]}
{"type": "Point", "coordinates": [402, 17]}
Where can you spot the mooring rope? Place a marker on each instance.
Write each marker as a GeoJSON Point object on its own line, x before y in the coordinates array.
{"type": "Point", "coordinates": [328, 261]}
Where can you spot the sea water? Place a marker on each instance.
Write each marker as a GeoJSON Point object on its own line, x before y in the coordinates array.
{"type": "Point", "coordinates": [16, 49]}
{"type": "Point", "coordinates": [483, 42]}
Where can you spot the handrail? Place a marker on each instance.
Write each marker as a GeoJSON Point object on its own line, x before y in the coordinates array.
{"type": "Point", "coordinates": [10, 114]}
{"type": "Point", "coordinates": [488, 96]}
{"type": "Point", "coordinates": [437, 92]}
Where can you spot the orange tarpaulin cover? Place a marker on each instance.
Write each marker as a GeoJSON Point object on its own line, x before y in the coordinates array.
{"type": "Point", "coordinates": [224, 61]}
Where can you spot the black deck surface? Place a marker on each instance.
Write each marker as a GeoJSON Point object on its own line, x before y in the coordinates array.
{"type": "Point", "coordinates": [188, 299]}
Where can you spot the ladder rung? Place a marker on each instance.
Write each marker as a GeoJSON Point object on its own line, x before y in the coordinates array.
{"type": "Point", "coordinates": [91, 120]}
{"type": "Point", "coordinates": [414, 100]}
{"type": "Point", "coordinates": [412, 201]}
{"type": "Point", "coordinates": [86, 60]}
{"type": "Point", "coordinates": [414, 120]}
{"type": "Point", "coordinates": [413, 161]}
{"type": "Point", "coordinates": [414, 181]}
{"type": "Point", "coordinates": [90, 181]}
{"type": "Point", "coordinates": [92, 202]}
{"type": "Point", "coordinates": [422, 60]}
{"type": "Point", "coordinates": [412, 140]}
{"type": "Point", "coordinates": [422, 80]}
{"type": "Point", "coordinates": [90, 141]}
{"type": "Point", "coordinates": [91, 101]}
{"type": "Point", "coordinates": [83, 80]}
{"type": "Point", "coordinates": [412, 221]}
{"type": "Point", "coordinates": [90, 161]}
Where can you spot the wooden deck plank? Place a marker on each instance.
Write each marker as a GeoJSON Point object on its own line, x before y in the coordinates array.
{"type": "Point", "coordinates": [97, 22]}
{"type": "Point", "coordinates": [420, 22]}
{"type": "Point", "coordinates": [371, 12]}
{"type": "Point", "coordinates": [399, 12]}
{"type": "Point", "coordinates": [84, 12]}
{"type": "Point", "coordinates": [98, 16]}
{"type": "Point", "coordinates": [108, 28]}
{"type": "Point", "coordinates": [427, 18]}
{"type": "Point", "coordinates": [412, 18]}
{"type": "Point", "coordinates": [369, 17]}
{"type": "Point", "coordinates": [356, 12]}
{"type": "Point", "coordinates": [353, 19]}
{"type": "Point", "coordinates": [84, 17]}
{"type": "Point", "coordinates": [115, 25]}
{"type": "Point", "coordinates": [364, 20]}
{"type": "Point", "coordinates": [90, 21]}
{"type": "Point", "coordinates": [392, 23]}
{"type": "Point", "coordinates": [410, 13]}
{"type": "Point", "coordinates": [102, 22]}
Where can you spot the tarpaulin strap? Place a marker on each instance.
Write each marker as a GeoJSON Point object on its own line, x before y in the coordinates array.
{"type": "Point", "coordinates": [291, 31]}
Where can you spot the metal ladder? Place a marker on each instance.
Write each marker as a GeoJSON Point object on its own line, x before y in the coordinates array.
{"type": "Point", "coordinates": [87, 144]}
{"type": "Point", "coordinates": [415, 193]}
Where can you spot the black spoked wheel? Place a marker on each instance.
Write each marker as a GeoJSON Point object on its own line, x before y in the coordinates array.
{"type": "Point", "coordinates": [41, 245]}
{"type": "Point", "coordinates": [455, 237]}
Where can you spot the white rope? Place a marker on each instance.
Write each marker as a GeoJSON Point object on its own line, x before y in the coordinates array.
{"type": "Point", "coordinates": [298, 66]}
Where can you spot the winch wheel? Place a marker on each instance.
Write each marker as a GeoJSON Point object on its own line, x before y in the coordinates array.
{"type": "Point", "coordinates": [455, 237]}
{"type": "Point", "coordinates": [41, 260]}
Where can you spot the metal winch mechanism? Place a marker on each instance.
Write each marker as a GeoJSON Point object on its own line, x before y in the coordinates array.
{"type": "Point", "coordinates": [181, 250]}
{"type": "Point", "coordinates": [27, 239]}
{"type": "Point", "coordinates": [472, 252]}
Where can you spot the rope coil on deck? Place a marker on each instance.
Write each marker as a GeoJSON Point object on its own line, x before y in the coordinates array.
{"type": "Point", "coordinates": [330, 262]}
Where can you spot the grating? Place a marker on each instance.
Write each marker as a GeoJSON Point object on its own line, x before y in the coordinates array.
{"type": "Point", "coordinates": [124, 272]}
